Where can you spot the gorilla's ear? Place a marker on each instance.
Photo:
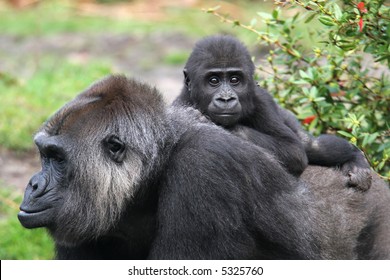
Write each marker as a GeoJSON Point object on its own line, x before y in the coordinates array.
{"type": "Point", "coordinates": [187, 81]}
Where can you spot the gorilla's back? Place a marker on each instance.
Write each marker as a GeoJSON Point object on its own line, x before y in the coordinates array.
{"type": "Point", "coordinates": [351, 216]}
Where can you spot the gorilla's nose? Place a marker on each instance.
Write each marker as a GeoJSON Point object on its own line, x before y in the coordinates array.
{"type": "Point", "coordinates": [225, 102]}
{"type": "Point", "coordinates": [38, 184]}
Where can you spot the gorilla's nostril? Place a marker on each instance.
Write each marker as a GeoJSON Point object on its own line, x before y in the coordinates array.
{"type": "Point", "coordinates": [34, 183]}
{"type": "Point", "coordinates": [230, 99]}
{"type": "Point", "coordinates": [226, 99]}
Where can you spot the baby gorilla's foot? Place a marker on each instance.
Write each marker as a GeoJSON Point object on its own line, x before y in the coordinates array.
{"type": "Point", "coordinates": [358, 177]}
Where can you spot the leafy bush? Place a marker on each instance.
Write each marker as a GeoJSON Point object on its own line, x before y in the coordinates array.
{"type": "Point", "coordinates": [326, 83]}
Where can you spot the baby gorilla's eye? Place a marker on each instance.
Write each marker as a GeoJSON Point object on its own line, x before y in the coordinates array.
{"type": "Point", "coordinates": [234, 80]}
{"type": "Point", "coordinates": [214, 81]}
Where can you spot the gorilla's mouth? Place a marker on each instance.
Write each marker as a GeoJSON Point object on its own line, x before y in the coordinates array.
{"type": "Point", "coordinates": [226, 114]}
{"type": "Point", "coordinates": [34, 218]}
{"type": "Point", "coordinates": [225, 118]}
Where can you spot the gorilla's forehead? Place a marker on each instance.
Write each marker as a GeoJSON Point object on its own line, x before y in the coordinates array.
{"type": "Point", "coordinates": [209, 61]}
{"type": "Point", "coordinates": [223, 63]}
{"type": "Point", "coordinates": [220, 66]}
{"type": "Point", "coordinates": [74, 114]}
{"type": "Point", "coordinates": [224, 69]}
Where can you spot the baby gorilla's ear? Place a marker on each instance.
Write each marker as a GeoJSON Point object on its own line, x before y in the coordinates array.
{"type": "Point", "coordinates": [187, 81]}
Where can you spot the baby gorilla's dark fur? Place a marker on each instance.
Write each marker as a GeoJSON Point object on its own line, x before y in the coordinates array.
{"type": "Point", "coordinates": [219, 82]}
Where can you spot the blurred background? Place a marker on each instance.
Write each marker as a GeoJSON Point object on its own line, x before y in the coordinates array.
{"type": "Point", "coordinates": [50, 50]}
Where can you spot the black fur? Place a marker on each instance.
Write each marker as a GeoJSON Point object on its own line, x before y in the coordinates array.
{"type": "Point", "coordinates": [125, 178]}
{"type": "Point", "coordinates": [249, 111]}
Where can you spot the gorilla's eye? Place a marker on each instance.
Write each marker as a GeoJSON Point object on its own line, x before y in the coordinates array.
{"type": "Point", "coordinates": [56, 156]}
{"type": "Point", "coordinates": [54, 153]}
{"type": "Point", "coordinates": [115, 148]}
{"type": "Point", "coordinates": [234, 80]}
{"type": "Point", "coordinates": [214, 81]}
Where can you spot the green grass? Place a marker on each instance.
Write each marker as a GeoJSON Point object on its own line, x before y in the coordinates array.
{"type": "Point", "coordinates": [53, 17]}
{"type": "Point", "coordinates": [17, 242]}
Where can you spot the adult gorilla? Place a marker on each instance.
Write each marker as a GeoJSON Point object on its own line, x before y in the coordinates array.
{"type": "Point", "coordinates": [123, 177]}
{"type": "Point", "coordinates": [219, 82]}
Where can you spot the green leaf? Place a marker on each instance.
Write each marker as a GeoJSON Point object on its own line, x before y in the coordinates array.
{"type": "Point", "coordinates": [275, 13]}
{"type": "Point", "coordinates": [333, 87]}
{"type": "Point", "coordinates": [351, 32]}
{"type": "Point", "coordinates": [303, 100]}
{"type": "Point", "coordinates": [388, 30]}
{"type": "Point", "coordinates": [300, 82]}
{"type": "Point", "coordinates": [337, 11]}
{"type": "Point", "coordinates": [310, 18]}
{"type": "Point", "coordinates": [313, 92]}
{"type": "Point", "coordinates": [347, 47]}
{"type": "Point", "coordinates": [326, 20]}
{"type": "Point", "coordinates": [304, 75]}
{"type": "Point", "coordinates": [295, 17]}
{"type": "Point", "coordinates": [319, 99]}
{"type": "Point", "coordinates": [305, 91]}
{"type": "Point", "coordinates": [382, 58]}
{"type": "Point", "coordinates": [365, 140]}
{"type": "Point", "coordinates": [296, 53]}
{"type": "Point", "coordinates": [310, 73]}
{"type": "Point", "coordinates": [346, 134]}
{"type": "Point", "coordinates": [372, 137]}
{"type": "Point", "coordinates": [313, 124]}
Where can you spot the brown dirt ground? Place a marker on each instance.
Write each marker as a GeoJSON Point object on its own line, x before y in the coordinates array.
{"type": "Point", "coordinates": [16, 168]}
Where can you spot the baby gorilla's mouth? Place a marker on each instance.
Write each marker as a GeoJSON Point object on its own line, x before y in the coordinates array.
{"type": "Point", "coordinates": [225, 114]}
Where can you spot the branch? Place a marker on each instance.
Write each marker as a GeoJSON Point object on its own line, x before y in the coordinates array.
{"type": "Point", "coordinates": [261, 35]}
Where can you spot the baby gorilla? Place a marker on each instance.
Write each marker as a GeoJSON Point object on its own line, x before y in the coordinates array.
{"type": "Point", "coordinates": [219, 82]}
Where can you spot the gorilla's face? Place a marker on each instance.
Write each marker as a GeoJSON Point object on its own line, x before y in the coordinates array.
{"type": "Point", "coordinates": [224, 85]}
{"type": "Point", "coordinates": [95, 152]}
{"type": "Point", "coordinates": [219, 80]}
{"type": "Point", "coordinates": [43, 198]}
{"type": "Point", "coordinates": [83, 185]}
{"type": "Point", "coordinates": [221, 92]}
